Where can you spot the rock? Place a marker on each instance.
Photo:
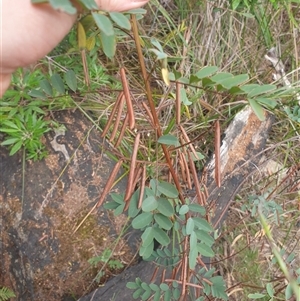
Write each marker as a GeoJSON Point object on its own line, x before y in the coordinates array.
{"type": "Point", "coordinates": [42, 258]}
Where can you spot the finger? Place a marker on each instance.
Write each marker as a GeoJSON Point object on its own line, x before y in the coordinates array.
{"type": "Point", "coordinates": [29, 32]}
{"type": "Point", "coordinates": [4, 83]}
{"type": "Point", "coordinates": [120, 5]}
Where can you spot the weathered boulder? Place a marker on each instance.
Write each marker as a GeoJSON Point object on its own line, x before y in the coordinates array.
{"type": "Point", "coordinates": [41, 205]}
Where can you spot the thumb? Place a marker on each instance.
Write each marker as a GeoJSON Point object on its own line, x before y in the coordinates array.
{"type": "Point", "coordinates": [4, 83]}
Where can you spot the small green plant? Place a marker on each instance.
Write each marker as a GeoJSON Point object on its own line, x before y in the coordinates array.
{"type": "Point", "coordinates": [293, 113]}
{"type": "Point", "coordinates": [26, 131]}
{"type": "Point", "coordinates": [22, 119]}
{"type": "Point", "coordinates": [268, 207]}
{"type": "Point", "coordinates": [6, 294]}
{"type": "Point", "coordinates": [105, 259]}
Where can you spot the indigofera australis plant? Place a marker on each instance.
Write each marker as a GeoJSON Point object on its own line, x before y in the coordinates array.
{"type": "Point", "coordinates": [158, 207]}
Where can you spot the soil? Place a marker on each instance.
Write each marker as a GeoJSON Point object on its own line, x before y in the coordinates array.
{"type": "Point", "coordinates": [42, 204]}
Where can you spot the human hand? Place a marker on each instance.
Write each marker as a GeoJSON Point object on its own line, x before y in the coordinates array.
{"type": "Point", "coordinates": [28, 32]}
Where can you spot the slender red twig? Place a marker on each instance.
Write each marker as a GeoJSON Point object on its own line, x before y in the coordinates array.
{"type": "Point", "coordinates": [182, 167]}
{"type": "Point", "coordinates": [122, 131]}
{"type": "Point", "coordinates": [132, 167]}
{"type": "Point", "coordinates": [142, 186]}
{"type": "Point", "coordinates": [187, 139]}
{"type": "Point", "coordinates": [128, 99]}
{"type": "Point", "coordinates": [112, 114]}
{"type": "Point", "coordinates": [109, 183]}
{"type": "Point", "coordinates": [196, 182]}
{"type": "Point", "coordinates": [188, 175]}
{"type": "Point", "coordinates": [136, 178]}
{"type": "Point", "coordinates": [153, 278]}
{"type": "Point", "coordinates": [148, 112]}
{"type": "Point", "coordinates": [118, 118]}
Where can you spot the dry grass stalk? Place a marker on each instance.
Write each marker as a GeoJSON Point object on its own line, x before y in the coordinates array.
{"type": "Point", "coordinates": [178, 103]}
{"type": "Point", "coordinates": [85, 68]}
{"type": "Point", "coordinates": [217, 153]}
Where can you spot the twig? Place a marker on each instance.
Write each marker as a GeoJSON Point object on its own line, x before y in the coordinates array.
{"type": "Point", "coordinates": [151, 104]}
{"type": "Point", "coordinates": [132, 168]}
{"type": "Point", "coordinates": [196, 182]}
{"type": "Point", "coordinates": [112, 114]}
{"type": "Point", "coordinates": [142, 187]}
{"type": "Point", "coordinates": [122, 132]}
{"type": "Point", "coordinates": [118, 118]}
{"type": "Point", "coordinates": [128, 99]}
